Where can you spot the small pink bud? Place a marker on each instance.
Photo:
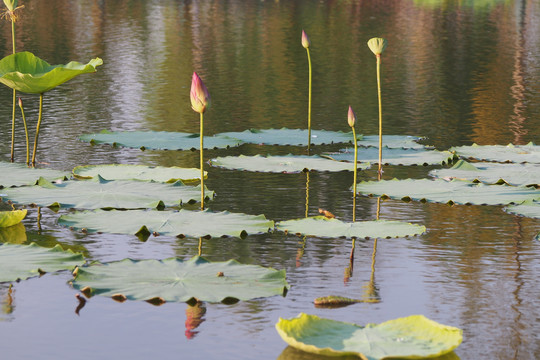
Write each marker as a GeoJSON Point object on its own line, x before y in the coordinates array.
{"type": "Point", "coordinates": [351, 118]}
{"type": "Point", "coordinates": [20, 102]}
{"type": "Point", "coordinates": [200, 98]}
{"type": "Point", "coordinates": [305, 40]}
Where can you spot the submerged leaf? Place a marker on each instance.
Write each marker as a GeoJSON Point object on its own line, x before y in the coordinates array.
{"type": "Point", "coordinates": [528, 208]}
{"type": "Point", "coordinates": [295, 137]}
{"type": "Point", "coordinates": [395, 156]}
{"type": "Point", "coordinates": [12, 174]}
{"type": "Point", "coordinates": [10, 218]}
{"type": "Point", "coordinates": [138, 172]}
{"type": "Point", "coordinates": [340, 301]}
{"type": "Point", "coordinates": [529, 153]}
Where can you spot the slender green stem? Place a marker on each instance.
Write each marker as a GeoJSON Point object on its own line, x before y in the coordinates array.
{"type": "Point", "coordinates": [37, 129]}
{"type": "Point", "coordinates": [26, 133]}
{"type": "Point", "coordinates": [14, 99]}
{"type": "Point", "coordinates": [202, 163]}
{"type": "Point", "coordinates": [13, 34]}
{"type": "Point", "coordinates": [355, 171]}
{"type": "Point", "coordinates": [309, 103]}
{"type": "Point", "coordinates": [380, 115]}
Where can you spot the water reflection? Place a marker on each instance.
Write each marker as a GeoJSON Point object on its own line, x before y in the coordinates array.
{"type": "Point", "coordinates": [7, 299]}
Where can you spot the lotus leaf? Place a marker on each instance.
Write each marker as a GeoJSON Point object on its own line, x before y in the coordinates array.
{"type": "Point", "coordinates": [395, 156]}
{"type": "Point", "coordinates": [411, 337]}
{"type": "Point", "coordinates": [100, 193]}
{"type": "Point", "coordinates": [288, 164]}
{"type": "Point", "coordinates": [12, 174]}
{"type": "Point", "coordinates": [174, 280]}
{"type": "Point", "coordinates": [529, 153]}
{"type": "Point", "coordinates": [321, 226]}
{"type": "Point", "coordinates": [138, 172]}
{"type": "Point", "coordinates": [10, 218]}
{"type": "Point", "coordinates": [295, 137]}
{"type": "Point", "coordinates": [528, 208]}
{"type": "Point", "coordinates": [26, 72]}
{"type": "Point", "coordinates": [393, 141]}
{"type": "Point", "coordinates": [158, 140]}
{"type": "Point", "coordinates": [492, 173]}
{"type": "Point", "coordinates": [24, 261]}
{"type": "Point", "coordinates": [442, 191]}
{"type": "Point", "coordinates": [173, 223]}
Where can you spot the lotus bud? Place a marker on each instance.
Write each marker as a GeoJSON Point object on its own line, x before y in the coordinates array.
{"type": "Point", "coordinates": [200, 98]}
{"type": "Point", "coordinates": [351, 118]}
{"type": "Point", "coordinates": [305, 40]}
{"type": "Point", "coordinates": [11, 4]}
{"type": "Point", "coordinates": [20, 102]}
{"type": "Point", "coordinates": [377, 45]}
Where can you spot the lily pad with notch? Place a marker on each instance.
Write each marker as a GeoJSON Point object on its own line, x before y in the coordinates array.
{"type": "Point", "coordinates": [138, 172]}
{"type": "Point", "coordinates": [529, 153]}
{"type": "Point", "coordinates": [12, 174]}
{"type": "Point", "coordinates": [527, 208]}
{"type": "Point", "coordinates": [395, 156]}
{"type": "Point", "coordinates": [293, 137]}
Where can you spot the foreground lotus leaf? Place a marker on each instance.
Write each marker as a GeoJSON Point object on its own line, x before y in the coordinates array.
{"type": "Point", "coordinates": [12, 174]}
{"type": "Point", "coordinates": [321, 226]}
{"type": "Point", "coordinates": [528, 208]}
{"type": "Point", "coordinates": [529, 153]}
{"type": "Point", "coordinates": [287, 164]}
{"type": "Point", "coordinates": [158, 140]}
{"type": "Point", "coordinates": [10, 218]}
{"type": "Point", "coordinates": [24, 261]}
{"type": "Point", "coordinates": [295, 137]}
{"type": "Point", "coordinates": [138, 172]}
{"type": "Point", "coordinates": [106, 194]}
{"type": "Point", "coordinates": [172, 223]}
{"type": "Point", "coordinates": [395, 156]}
{"type": "Point", "coordinates": [412, 337]}
{"type": "Point", "coordinates": [451, 192]}
{"type": "Point", "coordinates": [174, 280]}
{"type": "Point", "coordinates": [492, 173]}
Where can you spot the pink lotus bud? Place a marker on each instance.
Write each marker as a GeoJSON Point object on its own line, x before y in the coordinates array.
{"type": "Point", "coordinates": [200, 98]}
{"type": "Point", "coordinates": [305, 40]}
{"type": "Point", "coordinates": [20, 102]}
{"type": "Point", "coordinates": [351, 118]}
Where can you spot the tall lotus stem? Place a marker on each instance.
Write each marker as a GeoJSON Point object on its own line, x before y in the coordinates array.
{"type": "Point", "coordinates": [201, 160]}
{"type": "Point", "coordinates": [306, 43]}
{"type": "Point", "coordinates": [351, 119]}
{"type": "Point", "coordinates": [26, 133]}
{"type": "Point", "coordinates": [37, 129]}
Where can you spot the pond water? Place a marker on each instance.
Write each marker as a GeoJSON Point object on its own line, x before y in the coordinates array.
{"type": "Point", "coordinates": [455, 72]}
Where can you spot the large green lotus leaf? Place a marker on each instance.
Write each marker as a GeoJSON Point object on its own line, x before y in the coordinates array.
{"type": "Point", "coordinates": [10, 218]}
{"type": "Point", "coordinates": [158, 140]}
{"type": "Point", "coordinates": [528, 208]}
{"type": "Point", "coordinates": [26, 72]}
{"type": "Point", "coordinates": [395, 156]}
{"type": "Point", "coordinates": [442, 191]}
{"type": "Point", "coordinates": [529, 153]}
{"type": "Point", "coordinates": [295, 137]}
{"type": "Point", "coordinates": [24, 261]}
{"type": "Point", "coordinates": [100, 193]}
{"type": "Point", "coordinates": [173, 223]}
{"type": "Point", "coordinates": [393, 141]}
{"type": "Point", "coordinates": [492, 173]}
{"type": "Point", "coordinates": [411, 337]}
{"type": "Point", "coordinates": [12, 174]}
{"type": "Point", "coordinates": [321, 226]}
{"type": "Point", "coordinates": [175, 280]}
{"type": "Point", "coordinates": [288, 163]}
{"type": "Point", "coordinates": [138, 172]}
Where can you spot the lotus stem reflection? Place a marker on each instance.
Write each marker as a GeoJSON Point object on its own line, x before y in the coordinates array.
{"type": "Point", "coordinates": [306, 43]}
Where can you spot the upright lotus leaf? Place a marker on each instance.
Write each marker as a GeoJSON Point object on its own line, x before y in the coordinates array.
{"type": "Point", "coordinates": [100, 193]}
{"type": "Point", "coordinates": [138, 172]}
{"type": "Point", "coordinates": [395, 156]}
{"type": "Point", "coordinates": [528, 208]}
{"type": "Point", "coordinates": [172, 223]}
{"type": "Point", "coordinates": [159, 140]}
{"type": "Point", "coordinates": [529, 153]}
{"type": "Point", "coordinates": [287, 164]}
{"type": "Point", "coordinates": [492, 173]}
{"type": "Point", "coordinates": [174, 280]}
{"type": "Point", "coordinates": [452, 192]}
{"type": "Point", "coordinates": [411, 337]}
{"type": "Point", "coordinates": [24, 261]}
{"type": "Point", "coordinates": [321, 226]}
{"type": "Point", "coordinates": [10, 218]}
{"type": "Point", "coordinates": [12, 174]}
{"type": "Point", "coordinates": [284, 136]}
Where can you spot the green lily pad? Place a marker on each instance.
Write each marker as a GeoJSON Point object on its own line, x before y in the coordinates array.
{"type": "Point", "coordinates": [492, 173]}
{"type": "Point", "coordinates": [288, 163]}
{"type": "Point", "coordinates": [395, 156]}
{"type": "Point", "coordinates": [321, 226]}
{"type": "Point", "coordinates": [26, 72]}
{"type": "Point", "coordinates": [529, 153]}
{"type": "Point", "coordinates": [393, 141]}
{"type": "Point", "coordinates": [174, 280]}
{"type": "Point", "coordinates": [159, 140]}
{"type": "Point", "coordinates": [412, 337]}
{"type": "Point", "coordinates": [138, 172]}
{"type": "Point", "coordinates": [10, 218]}
{"type": "Point", "coordinates": [106, 194]}
{"type": "Point", "coordinates": [452, 192]}
{"type": "Point", "coordinates": [172, 223]}
{"type": "Point", "coordinates": [24, 261]}
{"type": "Point", "coordinates": [12, 174]}
{"type": "Point", "coordinates": [295, 137]}
{"type": "Point", "coordinates": [528, 208]}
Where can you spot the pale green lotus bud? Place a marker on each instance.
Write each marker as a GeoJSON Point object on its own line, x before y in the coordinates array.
{"type": "Point", "coordinates": [351, 117]}
{"type": "Point", "coordinates": [377, 45]}
{"type": "Point", "coordinates": [305, 40]}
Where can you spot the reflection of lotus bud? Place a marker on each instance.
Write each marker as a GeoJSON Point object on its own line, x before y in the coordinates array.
{"type": "Point", "coordinates": [194, 318]}
{"type": "Point", "coordinates": [377, 45]}
{"type": "Point", "coordinates": [11, 4]}
{"type": "Point", "coordinates": [200, 98]}
{"type": "Point", "coordinates": [351, 117]}
{"type": "Point", "coordinates": [305, 40]}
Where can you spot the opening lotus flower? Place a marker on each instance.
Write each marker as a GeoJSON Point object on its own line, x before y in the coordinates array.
{"type": "Point", "coordinates": [305, 40]}
{"type": "Point", "coordinates": [351, 117]}
{"type": "Point", "coordinates": [200, 98]}
{"type": "Point", "coordinates": [377, 45]}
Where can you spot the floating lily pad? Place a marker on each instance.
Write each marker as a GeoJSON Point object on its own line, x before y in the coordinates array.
{"type": "Point", "coordinates": [138, 172]}
{"type": "Point", "coordinates": [158, 140]}
{"type": "Point", "coordinates": [24, 261]}
{"type": "Point", "coordinates": [295, 137]}
{"type": "Point", "coordinates": [99, 193]}
{"type": "Point", "coordinates": [395, 156]}
{"type": "Point", "coordinates": [173, 223]}
{"type": "Point", "coordinates": [321, 226]}
{"type": "Point", "coordinates": [288, 164]}
{"type": "Point", "coordinates": [492, 173]}
{"type": "Point", "coordinates": [393, 141]}
{"type": "Point", "coordinates": [528, 208]}
{"type": "Point", "coordinates": [529, 153]}
{"type": "Point", "coordinates": [412, 337]}
{"type": "Point", "coordinates": [174, 280]}
{"type": "Point", "coordinates": [455, 191]}
{"type": "Point", "coordinates": [12, 174]}
{"type": "Point", "coordinates": [10, 218]}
